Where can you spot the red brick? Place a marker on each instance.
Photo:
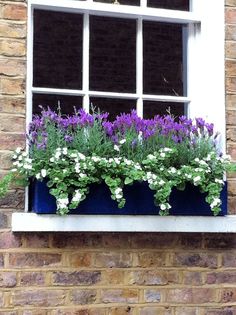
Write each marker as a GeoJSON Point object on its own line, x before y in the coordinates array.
{"type": "Point", "coordinates": [38, 298]}
{"type": "Point", "coordinates": [152, 296]}
{"type": "Point", "coordinates": [13, 200]}
{"type": "Point", "coordinates": [221, 311]}
{"type": "Point", "coordinates": [82, 297]}
{"type": "Point", "coordinates": [12, 86]}
{"type": "Point", "coordinates": [7, 279]}
{"type": "Point", "coordinates": [231, 117]}
{"type": "Point", "coordinates": [34, 240]}
{"type": "Point", "coordinates": [232, 150]}
{"type": "Point", "coordinates": [11, 104]}
{"type": "Point", "coordinates": [24, 260]}
{"type": "Point", "coordinates": [13, 48]}
{"type": "Point", "coordinates": [190, 240]}
{"type": "Point", "coordinates": [150, 259]}
{"type": "Point", "coordinates": [230, 49]}
{"type": "Point", "coordinates": [152, 277]}
{"type": "Point", "coordinates": [154, 240]}
{"type": "Point", "coordinates": [4, 220]}
{"type": "Point", "coordinates": [230, 16]}
{"type": "Point", "coordinates": [113, 259]}
{"type": "Point", "coordinates": [116, 240]}
{"type": "Point", "coordinates": [190, 296]}
{"type": "Point", "coordinates": [192, 278]}
{"type": "Point", "coordinates": [229, 259]}
{"type": "Point", "coordinates": [113, 276]}
{"type": "Point", "coordinates": [232, 205]}
{"type": "Point", "coordinates": [76, 278]}
{"type": "Point", "coordinates": [221, 277]}
{"type": "Point", "coordinates": [122, 310]}
{"type": "Point", "coordinates": [77, 240]}
{"type": "Point", "coordinates": [119, 296]}
{"type": "Point", "coordinates": [195, 260]}
{"type": "Point", "coordinates": [36, 312]}
{"type": "Point", "coordinates": [228, 295]}
{"type": "Point", "coordinates": [10, 240]}
{"type": "Point", "coordinates": [1, 299]}
{"type": "Point", "coordinates": [80, 260]}
{"type": "Point", "coordinates": [11, 141]}
{"type": "Point", "coordinates": [12, 67]}
{"type": "Point", "coordinates": [32, 278]}
{"type": "Point", "coordinates": [220, 241]}
{"type": "Point", "coordinates": [186, 311]}
{"type": "Point", "coordinates": [230, 35]}
{"type": "Point", "coordinates": [155, 310]}
{"type": "Point", "coordinates": [74, 311]}
{"type": "Point", "coordinates": [1, 260]}
{"type": "Point", "coordinates": [12, 30]}
{"type": "Point", "coordinates": [12, 123]}
{"type": "Point", "coordinates": [230, 3]}
{"type": "Point", "coordinates": [14, 11]}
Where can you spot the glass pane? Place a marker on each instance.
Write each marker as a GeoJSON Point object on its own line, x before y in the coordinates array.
{"type": "Point", "coordinates": [151, 108]}
{"type": "Point", "coordinates": [163, 58]}
{"type": "Point", "coordinates": [113, 106]}
{"type": "Point", "coordinates": [182, 5]}
{"type": "Point", "coordinates": [112, 54]}
{"type": "Point", "coordinates": [126, 2]}
{"type": "Point", "coordinates": [67, 103]}
{"type": "Point", "coordinates": [57, 58]}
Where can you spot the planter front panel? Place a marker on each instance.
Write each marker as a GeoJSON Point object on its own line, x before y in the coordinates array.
{"type": "Point", "coordinates": [139, 201]}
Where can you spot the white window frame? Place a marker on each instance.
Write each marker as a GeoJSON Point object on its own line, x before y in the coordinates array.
{"type": "Point", "coordinates": [205, 96]}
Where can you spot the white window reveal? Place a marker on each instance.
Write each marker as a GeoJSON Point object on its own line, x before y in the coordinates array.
{"type": "Point", "coordinates": [118, 55]}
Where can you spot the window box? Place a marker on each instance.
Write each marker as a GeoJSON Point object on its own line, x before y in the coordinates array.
{"type": "Point", "coordinates": [139, 201]}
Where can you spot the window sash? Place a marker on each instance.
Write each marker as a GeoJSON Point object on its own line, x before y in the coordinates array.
{"type": "Point", "coordinates": [87, 8]}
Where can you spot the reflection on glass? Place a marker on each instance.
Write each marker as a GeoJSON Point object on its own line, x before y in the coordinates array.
{"type": "Point", "coordinates": [113, 106]}
{"type": "Point", "coordinates": [57, 59]}
{"type": "Point", "coordinates": [125, 2]}
{"type": "Point", "coordinates": [151, 108]}
{"type": "Point", "coordinates": [112, 54]}
{"type": "Point", "coordinates": [66, 103]}
{"type": "Point", "coordinates": [163, 58]}
{"type": "Point", "coordinates": [182, 5]}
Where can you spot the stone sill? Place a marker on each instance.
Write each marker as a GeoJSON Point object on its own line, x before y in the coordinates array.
{"type": "Point", "coordinates": [31, 222]}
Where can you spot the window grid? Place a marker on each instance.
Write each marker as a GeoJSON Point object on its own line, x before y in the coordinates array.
{"type": "Point", "coordinates": [138, 96]}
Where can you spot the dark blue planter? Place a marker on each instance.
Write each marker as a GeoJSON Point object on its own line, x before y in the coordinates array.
{"type": "Point", "coordinates": [139, 201]}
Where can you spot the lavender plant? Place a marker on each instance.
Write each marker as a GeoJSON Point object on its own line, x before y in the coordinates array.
{"type": "Point", "coordinates": [73, 152]}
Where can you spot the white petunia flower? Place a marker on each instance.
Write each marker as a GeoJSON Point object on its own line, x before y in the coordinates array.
{"type": "Point", "coordinates": [127, 162]}
{"type": "Point", "coordinates": [64, 151]}
{"type": "Point", "coordinates": [219, 181]}
{"type": "Point", "coordinates": [18, 150]}
{"type": "Point", "coordinates": [216, 202]}
{"type": "Point", "coordinates": [122, 141]}
{"type": "Point", "coordinates": [116, 148]}
{"type": "Point", "coordinates": [162, 154]}
{"type": "Point", "coordinates": [38, 176]}
{"type": "Point", "coordinates": [52, 159]}
{"type": "Point", "coordinates": [43, 173]}
{"type": "Point", "coordinates": [163, 206]}
{"type": "Point", "coordinates": [81, 156]}
{"type": "Point", "coordinates": [117, 161]}
{"type": "Point", "coordinates": [161, 182]}
{"type": "Point", "coordinates": [118, 191]}
{"type": "Point", "coordinates": [95, 159]}
{"type": "Point", "coordinates": [197, 179]}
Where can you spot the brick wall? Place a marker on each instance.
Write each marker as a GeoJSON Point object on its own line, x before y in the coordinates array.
{"type": "Point", "coordinates": [105, 273]}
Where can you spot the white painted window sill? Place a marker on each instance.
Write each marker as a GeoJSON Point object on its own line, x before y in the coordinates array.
{"type": "Point", "coordinates": [31, 222]}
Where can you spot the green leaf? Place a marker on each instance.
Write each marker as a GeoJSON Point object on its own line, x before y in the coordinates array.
{"type": "Point", "coordinates": [128, 181]}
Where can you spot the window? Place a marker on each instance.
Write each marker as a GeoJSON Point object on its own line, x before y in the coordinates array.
{"type": "Point", "coordinates": [153, 56]}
